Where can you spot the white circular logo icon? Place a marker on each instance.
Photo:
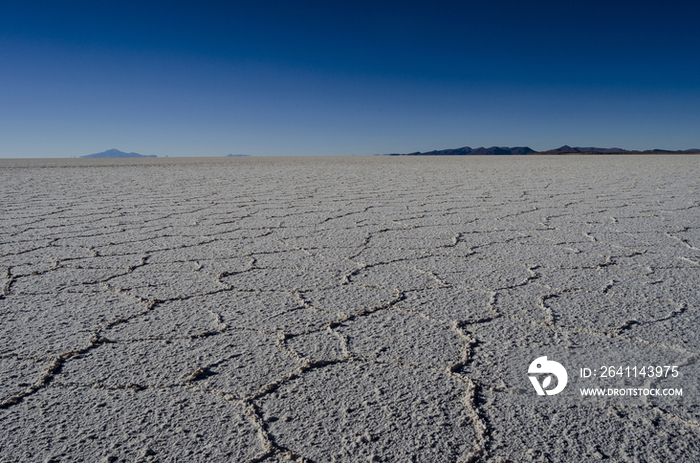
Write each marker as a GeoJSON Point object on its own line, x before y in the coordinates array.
{"type": "Point", "coordinates": [541, 366]}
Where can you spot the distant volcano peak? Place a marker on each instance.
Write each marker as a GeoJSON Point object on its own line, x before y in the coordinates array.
{"type": "Point", "coordinates": [115, 153]}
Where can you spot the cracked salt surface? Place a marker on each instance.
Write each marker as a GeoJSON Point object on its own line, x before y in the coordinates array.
{"type": "Point", "coordinates": [344, 309]}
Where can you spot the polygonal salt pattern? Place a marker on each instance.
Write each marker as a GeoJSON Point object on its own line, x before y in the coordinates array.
{"type": "Point", "coordinates": [346, 309]}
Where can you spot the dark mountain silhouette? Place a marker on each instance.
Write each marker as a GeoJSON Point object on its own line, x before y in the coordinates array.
{"type": "Point", "coordinates": [566, 149]}
{"type": "Point", "coordinates": [115, 153]}
{"type": "Point", "coordinates": [468, 151]}
{"type": "Point", "coordinates": [521, 150]}
{"type": "Point", "coordinates": [587, 149]}
{"type": "Point", "coordinates": [237, 155]}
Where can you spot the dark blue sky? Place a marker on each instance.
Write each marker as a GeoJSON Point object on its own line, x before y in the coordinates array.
{"type": "Point", "coordinates": [319, 78]}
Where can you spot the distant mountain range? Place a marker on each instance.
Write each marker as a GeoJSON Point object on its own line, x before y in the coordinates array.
{"type": "Point", "coordinates": [566, 149]}
{"type": "Point", "coordinates": [464, 151]}
{"type": "Point", "coordinates": [237, 155]}
{"type": "Point", "coordinates": [114, 153]}
{"type": "Point", "coordinates": [521, 150]}
{"type": "Point", "coordinates": [467, 151]}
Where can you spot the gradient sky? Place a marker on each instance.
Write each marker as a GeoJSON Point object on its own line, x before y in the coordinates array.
{"type": "Point", "coordinates": [330, 78]}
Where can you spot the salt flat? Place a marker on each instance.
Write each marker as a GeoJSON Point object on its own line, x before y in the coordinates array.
{"type": "Point", "coordinates": [347, 309]}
